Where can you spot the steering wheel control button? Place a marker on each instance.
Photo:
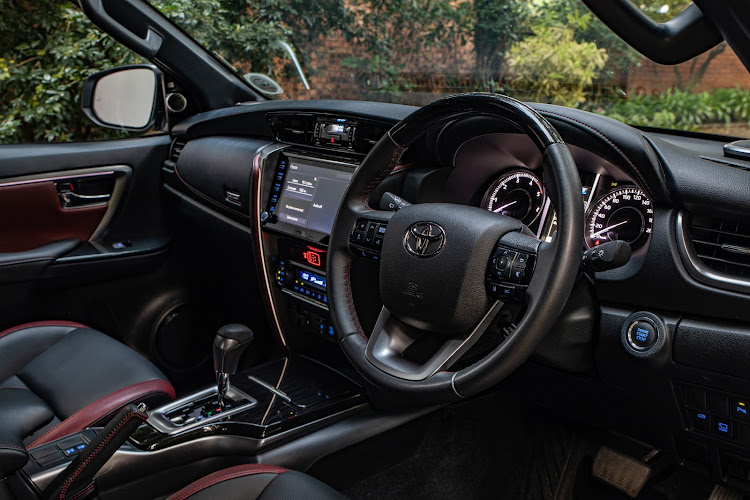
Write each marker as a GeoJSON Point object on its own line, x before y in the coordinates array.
{"type": "Point", "coordinates": [642, 335]}
{"type": "Point", "coordinates": [366, 239]}
{"type": "Point", "coordinates": [508, 274]}
{"type": "Point", "coordinates": [521, 260]}
{"type": "Point", "coordinates": [503, 292]}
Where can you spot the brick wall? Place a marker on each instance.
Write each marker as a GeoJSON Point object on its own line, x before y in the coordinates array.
{"type": "Point", "coordinates": [451, 71]}
{"type": "Point", "coordinates": [725, 70]}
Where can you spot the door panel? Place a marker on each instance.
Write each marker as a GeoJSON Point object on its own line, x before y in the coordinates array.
{"type": "Point", "coordinates": [83, 225]}
{"type": "Point", "coordinates": [31, 216]}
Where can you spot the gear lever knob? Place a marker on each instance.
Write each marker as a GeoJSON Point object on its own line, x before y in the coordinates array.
{"type": "Point", "coordinates": [229, 344]}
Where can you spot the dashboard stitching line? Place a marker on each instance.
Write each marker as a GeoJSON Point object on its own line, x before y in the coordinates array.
{"type": "Point", "coordinates": [391, 167]}
{"type": "Point", "coordinates": [350, 299]}
{"type": "Point", "coordinates": [614, 146]}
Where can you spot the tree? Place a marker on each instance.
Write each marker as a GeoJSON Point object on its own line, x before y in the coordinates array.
{"type": "Point", "coordinates": [499, 23]}
{"type": "Point", "coordinates": [48, 48]}
{"type": "Point", "coordinates": [552, 65]}
{"type": "Point", "coordinates": [391, 36]}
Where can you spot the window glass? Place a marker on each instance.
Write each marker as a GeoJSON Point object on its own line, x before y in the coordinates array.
{"type": "Point", "coordinates": [47, 49]}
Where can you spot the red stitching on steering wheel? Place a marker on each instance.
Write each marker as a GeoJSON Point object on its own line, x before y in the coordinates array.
{"type": "Point", "coordinates": [350, 299]}
{"type": "Point", "coordinates": [391, 167]}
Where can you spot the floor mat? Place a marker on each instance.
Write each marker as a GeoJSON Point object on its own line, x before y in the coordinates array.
{"type": "Point", "coordinates": [497, 447]}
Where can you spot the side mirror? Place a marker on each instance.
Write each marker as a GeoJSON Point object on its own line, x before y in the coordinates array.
{"type": "Point", "coordinates": [125, 98]}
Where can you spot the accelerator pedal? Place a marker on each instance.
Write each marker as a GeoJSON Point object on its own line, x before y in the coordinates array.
{"type": "Point", "coordinates": [723, 493]}
{"type": "Point", "coordinates": [620, 471]}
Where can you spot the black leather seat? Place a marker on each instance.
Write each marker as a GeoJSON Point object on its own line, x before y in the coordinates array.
{"type": "Point", "coordinates": [84, 376]}
{"type": "Point", "coordinates": [257, 481]}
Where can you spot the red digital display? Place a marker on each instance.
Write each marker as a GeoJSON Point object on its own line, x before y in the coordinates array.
{"type": "Point", "coordinates": [313, 258]}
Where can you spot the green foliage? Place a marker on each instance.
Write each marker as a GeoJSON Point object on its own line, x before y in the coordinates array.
{"type": "Point", "coordinates": [48, 48]}
{"type": "Point", "coordinates": [682, 110]}
{"type": "Point", "coordinates": [247, 32]}
{"type": "Point", "coordinates": [394, 32]}
{"type": "Point", "coordinates": [47, 51]}
{"type": "Point", "coordinates": [499, 23]}
{"type": "Point", "coordinates": [552, 65]}
{"type": "Point", "coordinates": [663, 10]}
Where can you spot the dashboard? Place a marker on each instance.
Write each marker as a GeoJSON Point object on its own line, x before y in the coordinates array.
{"type": "Point", "coordinates": [276, 171]}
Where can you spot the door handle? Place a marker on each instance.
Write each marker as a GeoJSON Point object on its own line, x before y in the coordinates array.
{"type": "Point", "coordinates": [69, 199]}
{"type": "Point", "coordinates": [84, 192]}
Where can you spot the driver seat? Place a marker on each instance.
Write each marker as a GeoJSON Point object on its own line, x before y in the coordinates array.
{"type": "Point", "coordinates": [257, 481]}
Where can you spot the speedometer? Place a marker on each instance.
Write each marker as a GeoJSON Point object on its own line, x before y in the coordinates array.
{"type": "Point", "coordinates": [624, 214]}
{"type": "Point", "coordinates": [517, 194]}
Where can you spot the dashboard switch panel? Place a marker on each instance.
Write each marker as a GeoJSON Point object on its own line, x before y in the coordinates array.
{"type": "Point", "coordinates": [715, 413]}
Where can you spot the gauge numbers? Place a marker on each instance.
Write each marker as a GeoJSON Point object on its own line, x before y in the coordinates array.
{"type": "Point", "coordinates": [622, 214]}
{"type": "Point", "coordinates": [516, 194]}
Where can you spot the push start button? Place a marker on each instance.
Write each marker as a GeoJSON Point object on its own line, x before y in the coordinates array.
{"type": "Point", "coordinates": [642, 334]}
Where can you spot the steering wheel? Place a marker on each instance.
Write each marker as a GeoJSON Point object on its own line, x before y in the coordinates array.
{"type": "Point", "coordinates": [440, 265]}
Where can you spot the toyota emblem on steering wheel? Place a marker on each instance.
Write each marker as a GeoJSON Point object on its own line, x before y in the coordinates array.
{"type": "Point", "coordinates": [424, 239]}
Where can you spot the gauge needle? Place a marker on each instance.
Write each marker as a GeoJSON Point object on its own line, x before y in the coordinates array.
{"type": "Point", "coordinates": [607, 229]}
{"type": "Point", "coordinates": [504, 206]}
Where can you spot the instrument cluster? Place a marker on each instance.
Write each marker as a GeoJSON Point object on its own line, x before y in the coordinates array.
{"type": "Point", "coordinates": [614, 210]}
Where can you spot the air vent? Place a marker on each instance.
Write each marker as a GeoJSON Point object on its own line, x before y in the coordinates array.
{"type": "Point", "coordinates": [722, 244]}
{"type": "Point", "coordinates": [294, 128]}
{"type": "Point", "coordinates": [177, 146]}
{"type": "Point", "coordinates": [368, 134]}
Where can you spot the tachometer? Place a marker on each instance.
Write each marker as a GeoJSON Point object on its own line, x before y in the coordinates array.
{"type": "Point", "coordinates": [517, 194]}
{"type": "Point", "coordinates": [622, 214]}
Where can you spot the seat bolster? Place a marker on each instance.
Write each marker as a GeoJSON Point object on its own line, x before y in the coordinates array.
{"type": "Point", "coordinates": [259, 475]}
{"type": "Point", "coordinates": [21, 344]}
{"type": "Point", "coordinates": [257, 482]}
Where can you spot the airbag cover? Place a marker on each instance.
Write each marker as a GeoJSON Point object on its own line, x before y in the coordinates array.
{"type": "Point", "coordinates": [441, 291]}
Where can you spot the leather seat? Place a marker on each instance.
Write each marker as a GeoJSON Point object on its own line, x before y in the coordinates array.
{"type": "Point", "coordinates": [257, 481]}
{"type": "Point", "coordinates": [83, 375]}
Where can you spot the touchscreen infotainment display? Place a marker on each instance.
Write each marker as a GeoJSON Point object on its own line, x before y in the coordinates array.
{"type": "Point", "coordinates": [311, 194]}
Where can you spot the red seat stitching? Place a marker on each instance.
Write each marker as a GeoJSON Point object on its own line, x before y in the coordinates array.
{"type": "Point", "coordinates": [225, 475]}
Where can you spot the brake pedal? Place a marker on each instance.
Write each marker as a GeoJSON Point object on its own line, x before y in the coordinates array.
{"type": "Point", "coordinates": [723, 493]}
{"type": "Point", "coordinates": [620, 471]}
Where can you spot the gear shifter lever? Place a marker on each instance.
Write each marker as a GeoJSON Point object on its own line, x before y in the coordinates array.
{"type": "Point", "coordinates": [229, 344]}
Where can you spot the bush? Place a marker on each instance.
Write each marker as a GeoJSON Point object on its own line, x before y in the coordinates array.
{"type": "Point", "coordinates": [552, 65]}
{"type": "Point", "coordinates": [681, 109]}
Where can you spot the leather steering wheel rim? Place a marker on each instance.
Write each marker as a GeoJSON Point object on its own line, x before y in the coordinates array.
{"type": "Point", "coordinates": [553, 278]}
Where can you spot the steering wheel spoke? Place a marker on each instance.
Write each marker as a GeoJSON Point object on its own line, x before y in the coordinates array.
{"type": "Point", "coordinates": [391, 341]}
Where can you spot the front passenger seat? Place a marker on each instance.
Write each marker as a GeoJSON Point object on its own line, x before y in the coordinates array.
{"type": "Point", "coordinates": [83, 375]}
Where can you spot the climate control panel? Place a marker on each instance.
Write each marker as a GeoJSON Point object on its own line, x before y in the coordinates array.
{"type": "Point", "coordinates": [300, 273]}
